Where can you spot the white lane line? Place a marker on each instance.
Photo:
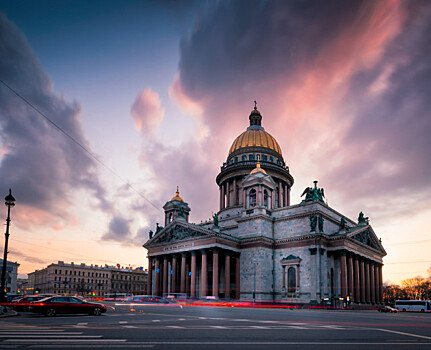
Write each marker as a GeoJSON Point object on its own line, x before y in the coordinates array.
{"type": "Point", "coordinates": [177, 327]}
{"type": "Point", "coordinates": [87, 346]}
{"type": "Point", "coordinates": [156, 320]}
{"type": "Point", "coordinates": [259, 327]}
{"type": "Point", "coordinates": [65, 340]}
{"type": "Point", "coordinates": [403, 333]}
{"type": "Point", "coordinates": [218, 327]}
{"type": "Point", "coordinates": [297, 327]}
{"type": "Point", "coordinates": [203, 318]}
{"type": "Point", "coordinates": [181, 319]}
{"type": "Point", "coordinates": [50, 336]}
{"type": "Point", "coordinates": [30, 334]}
{"type": "Point", "coordinates": [123, 322]}
{"type": "Point", "coordinates": [82, 324]}
{"type": "Point", "coordinates": [129, 327]}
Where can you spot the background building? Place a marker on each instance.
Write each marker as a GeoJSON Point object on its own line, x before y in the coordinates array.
{"type": "Point", "coordinates": [82, 279]}
{"type": "Point", "coordinates": [11, 276]}
{"type": "Point", "coordinates": [261, 246]}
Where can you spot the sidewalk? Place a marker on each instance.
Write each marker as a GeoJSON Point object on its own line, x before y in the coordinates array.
{"type": "Point", "coordinates": [8, 313]}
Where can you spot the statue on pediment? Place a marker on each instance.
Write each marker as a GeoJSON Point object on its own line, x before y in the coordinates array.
{"type": "Point", "coordinates": [362, 220]}
{"type": "Point", "coordinates": [150, 234]}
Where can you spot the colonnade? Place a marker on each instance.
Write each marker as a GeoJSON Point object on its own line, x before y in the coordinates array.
{"type": "Point", "coordinates": [203, 272]}
{"type": "Point", "coordinates": [361, 279]}
{"type": "Point", "coordinates": [231, 194]}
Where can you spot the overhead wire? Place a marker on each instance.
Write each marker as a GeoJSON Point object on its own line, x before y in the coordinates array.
{"type": "Point", "coordinates": [80, 145]}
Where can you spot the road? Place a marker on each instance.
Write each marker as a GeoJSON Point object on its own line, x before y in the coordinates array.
{"type": "Point", "coordinates": [210, 328]}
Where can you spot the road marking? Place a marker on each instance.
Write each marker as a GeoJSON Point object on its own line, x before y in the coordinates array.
{"type": "Point", "coordinates": [82, 324]}
{"type": "Point", "coordinates": [218, 327]}
{"type": "Point", "coordinates": [259, 327]}
{"type": "Point", "coordinates": [65, 340]}
{"type": "Point", "coordinates": [123, 322]}
{"type": "Point", "coordinates": [87, 346]}
{"type": "Point", "coordinates": [156, 320]}
{"type": "Point", "coordinates": [177, 327]}
{"type": "Point", "coordinates": [50, 336]}
{"type": "Point", "coordinates": [403, 333]}
{"type": "Point", "coordinates": [129, 327]}
{"type": "Point", "coordinates": [181, 319]}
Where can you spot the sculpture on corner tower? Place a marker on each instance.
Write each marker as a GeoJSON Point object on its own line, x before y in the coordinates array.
{"type": "Point", "coordinates": [313, 194]}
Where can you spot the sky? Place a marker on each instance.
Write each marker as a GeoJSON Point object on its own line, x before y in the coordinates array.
{"type": "Point", "coordinates": [151, 95]}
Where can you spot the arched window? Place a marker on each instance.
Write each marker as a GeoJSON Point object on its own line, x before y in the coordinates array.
{"type": "Point", "coordinates": [265, 198]}
{"type": "Point", "coordinates": [276, 198]}
{"type": "Point", "coordinates": [291, 280]}
{"type": "Point", "coordinates": [170, 217]}
{"type": "Point", "coordinates": [253, 198]}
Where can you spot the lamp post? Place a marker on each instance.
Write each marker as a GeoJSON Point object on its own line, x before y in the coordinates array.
{"type": "Point", "coordinates": [9, 202]}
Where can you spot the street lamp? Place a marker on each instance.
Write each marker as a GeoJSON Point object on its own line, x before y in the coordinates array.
{"type": "Point", "coordinates": [9, 202]}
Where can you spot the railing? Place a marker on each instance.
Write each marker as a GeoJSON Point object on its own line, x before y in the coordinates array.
{"type": "Point", "coordinates": [253, 163]}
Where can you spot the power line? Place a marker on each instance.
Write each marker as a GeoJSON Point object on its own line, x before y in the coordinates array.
{"type": "Point", "coordinates": [408, 242]}
{"type": "Point", "coordinates": [70, 137]}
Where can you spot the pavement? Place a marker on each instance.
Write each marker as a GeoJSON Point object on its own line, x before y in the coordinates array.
{"type": "Point", "coordinates": [127, 326]}
{"type": "Point", "coordinates": [7, 313]}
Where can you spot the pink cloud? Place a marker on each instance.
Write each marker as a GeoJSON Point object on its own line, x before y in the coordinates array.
{"type": "Point", "coordinates": [147, 112]}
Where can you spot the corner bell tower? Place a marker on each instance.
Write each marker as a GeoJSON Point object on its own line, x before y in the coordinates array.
{"type": "Point", "coordinates": [176, 209]}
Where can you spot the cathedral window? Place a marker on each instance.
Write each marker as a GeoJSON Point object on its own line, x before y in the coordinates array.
{"type": "Point", "coordinates": [251, 157]}
{"type": "Point", "coordinates": [265, 198]}
{"type": "Point", "coordinates": [253, 198]}
{"type": "Point", "coordinates": [236, 159]}
{"type": "Point", "coordinates": [244, 158]}
{"type": "Point", "coordinates": [264, 158]}
{"type": "Point", "coordinates": [271, 159]}
{"type": "Point", "coordinates": [291, 280]}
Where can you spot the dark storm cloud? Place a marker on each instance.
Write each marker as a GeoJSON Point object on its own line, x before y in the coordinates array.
{"type": "Point", "coordinates": [41, 165]}
{"type": "Point", "coordinates": [237, 43]}
{"type": "Point", "coordinates": [390, 136]}
{"type": "Point", "coordinates": [119, 229]}
{"type": "Point", "coordinates": [369, 61]}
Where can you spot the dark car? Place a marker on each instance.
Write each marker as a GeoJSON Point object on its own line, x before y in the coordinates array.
{"type": "Point", "coordinates": [66, 305]}
{"type": "Point", "coordinates": [387, 309]}
{"type": "Point", "coordinates": [22, 304]}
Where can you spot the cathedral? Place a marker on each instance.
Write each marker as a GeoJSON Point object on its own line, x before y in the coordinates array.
{"type": "Point", "coordinates": [259, 245]}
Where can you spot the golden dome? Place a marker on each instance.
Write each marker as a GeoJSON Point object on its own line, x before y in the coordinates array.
{"type": "Point", "coordinates": [258, 169]}
{"type": "Point", "coordinates": [177, 196]}
{"type": "Point", "coordinates": [255, 138]}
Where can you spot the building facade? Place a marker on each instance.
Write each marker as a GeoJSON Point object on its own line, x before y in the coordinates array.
{"type": "Point", "coordinates": [261, 246]}
{"type": "Point", "coordinates": [83, 279]}
{"type": "Point", "coordinates": [11, 276]}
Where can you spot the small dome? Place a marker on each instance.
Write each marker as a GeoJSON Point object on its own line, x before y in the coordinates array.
{"type": "Point", "coordinates": [177, 196]}
{"type": "Point", "coordinates": [258, 169]}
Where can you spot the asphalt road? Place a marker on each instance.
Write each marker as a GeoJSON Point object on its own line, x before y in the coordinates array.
{"type": "Point", "coordinates": [172, 327]}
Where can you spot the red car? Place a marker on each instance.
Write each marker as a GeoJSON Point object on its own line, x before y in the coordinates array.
{"type": "Point", "coordinates": [66, 305]}
{"type": "Point", "coordinates": [22, 304]}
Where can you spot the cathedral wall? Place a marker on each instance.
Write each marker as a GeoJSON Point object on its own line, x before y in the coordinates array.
{"type": "Point", "coordinates": [256, 273]}
{"type": "Point", "coordinates": [255, 227]}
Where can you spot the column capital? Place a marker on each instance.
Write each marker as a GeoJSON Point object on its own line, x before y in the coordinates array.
{"type": "Point", "coordinates": [203, 251]}
{"type": "Point", "coordinates": [193, 252]}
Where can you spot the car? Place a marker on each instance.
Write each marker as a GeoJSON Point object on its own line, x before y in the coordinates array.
{"type": "Point", "coordinates": [66, 305]}
{"type": "Point", "coordinates": [22, 304]}
{"type": "Point", "coordinates": [387, 309]}
{"type": "Point", "coordinates": [149, 299]}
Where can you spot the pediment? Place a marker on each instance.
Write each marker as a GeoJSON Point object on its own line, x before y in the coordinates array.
{"type": "Point", "coordinates": [175, 232]}
{"type": "Point", "coordinates": [367, 236]}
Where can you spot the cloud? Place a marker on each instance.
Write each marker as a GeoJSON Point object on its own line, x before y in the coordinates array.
{"type": "Point", "coordinates": [341, 85]}
{"type": "Point", "coordinates": [41, 165]}
{"type": "Point", "coordinates": [147, 112]}
{"type": "Point", "coordinates": [119, 229]}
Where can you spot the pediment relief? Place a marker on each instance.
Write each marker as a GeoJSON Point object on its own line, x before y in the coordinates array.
{"type": "Point", "coordinates": [177, 233]}
{"type": "Point", "coordinates": [368, 238]}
